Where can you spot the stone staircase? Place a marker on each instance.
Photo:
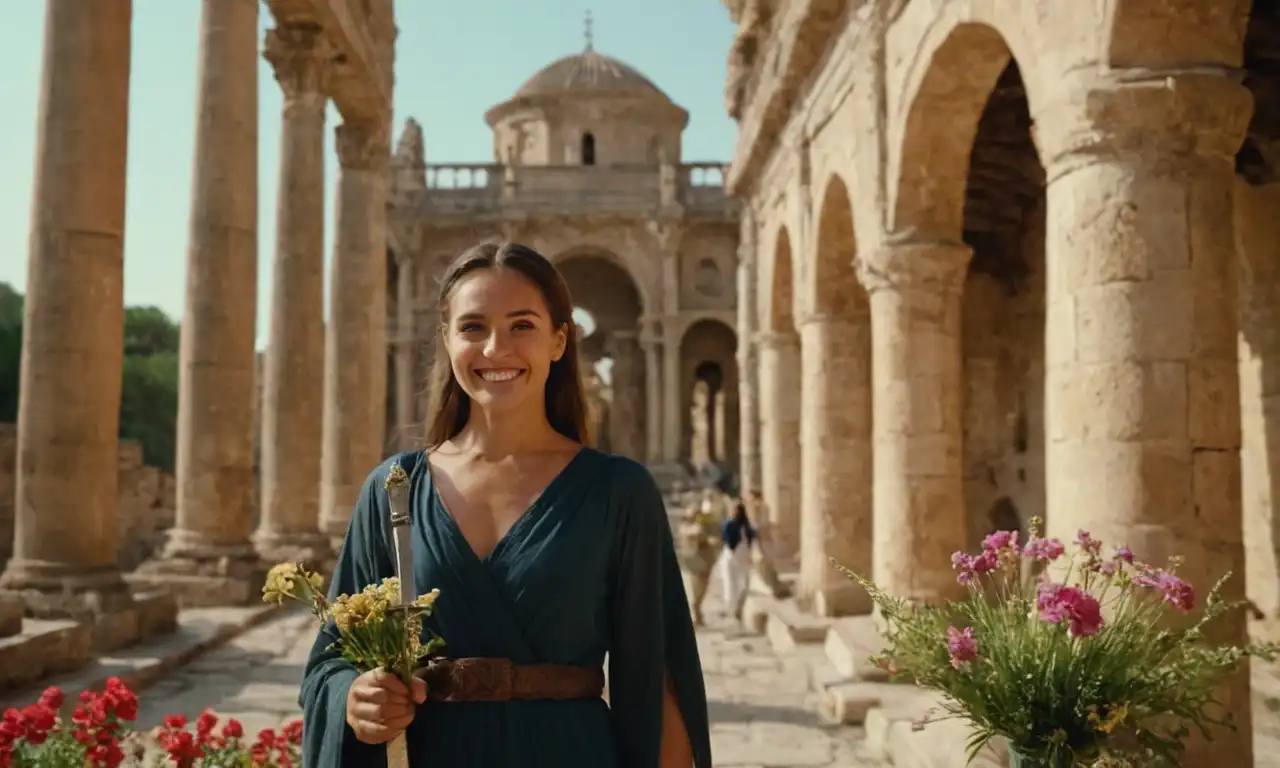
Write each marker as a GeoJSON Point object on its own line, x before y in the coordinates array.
{"type": "Point", "coordinates": [852, 691]}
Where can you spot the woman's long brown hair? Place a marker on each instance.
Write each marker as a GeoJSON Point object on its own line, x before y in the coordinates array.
{"type": "Point", "coordinates": [449, 407]}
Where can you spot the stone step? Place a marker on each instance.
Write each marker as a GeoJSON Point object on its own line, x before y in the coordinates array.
{"type": "Point", "coordinates": [199, 631]}
{"type": "Point", "coordinates": [891, 732]}
{"type": "Point", "coordinates": [849, 644]}
{"type": "Point", "coordinates": [44, 647]}
{"type": "Point", "coordinates": [788, 626]}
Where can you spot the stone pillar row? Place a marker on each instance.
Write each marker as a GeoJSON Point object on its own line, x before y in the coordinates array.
{"type": "Point", "coordinates": [1143, 423]}
{"type": "Point", "coordinates": [323, 410]}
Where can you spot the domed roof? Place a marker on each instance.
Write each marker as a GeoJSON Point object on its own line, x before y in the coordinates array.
{"type": "Point", "coordinates": [587, 71]}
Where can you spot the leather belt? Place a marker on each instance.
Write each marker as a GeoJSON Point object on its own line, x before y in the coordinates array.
{"type": "Point", "coordinates": [489, 679]}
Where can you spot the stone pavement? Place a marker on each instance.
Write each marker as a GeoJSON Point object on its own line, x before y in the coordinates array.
{"type": "Point", "coordinates": [762, 710]}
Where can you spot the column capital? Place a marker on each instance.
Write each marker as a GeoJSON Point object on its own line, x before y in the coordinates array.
{"type": "Point", "coordinates": [299, 54]}
{"type": "Point", "coordinates": [1149, 117]}
{"type": "Point", "coordinates": [363, 145]}
{"type": "Point", "coordinates": [931, 264]}
{"type": "Point", "coordinates": [776, 340]}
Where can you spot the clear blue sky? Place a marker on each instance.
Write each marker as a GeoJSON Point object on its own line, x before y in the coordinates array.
{"type": "Point", "coordinates": [454, 61]}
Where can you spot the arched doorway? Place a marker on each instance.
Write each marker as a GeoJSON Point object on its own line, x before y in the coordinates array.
{"type": "Point", "coordinates": [1004, 315]}
{"type": "Point", "coordinates": [835, 425]}
{"type": "Point", "coordinates": [779, 380]}
{"type": "Point", "coordinates": [608, 309]}
{"type": "Point", "coordinates": [709, 398]}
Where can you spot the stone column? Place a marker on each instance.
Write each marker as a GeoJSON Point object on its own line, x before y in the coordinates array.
{"type": "Point", "coordinates": [406, 347]}
{"type": "Point", "coordinates": [622, 415]}
{"type": "Point", "coordinates": [1142, 380]}
{"type": "Point", "coordinates": [208, 558]}
{"type": "Point", "coordinates": [294, 377]}
{"type": "Point", "coordinates": [748, 355]}
{"type": "Point", "coordinates": [918, 487]}
{"type": "Point", "coordinates": [653, 396]}
{"type": "Point", "coordinates": [64, 554]}
{"type": "Point", "coordinates": [1257, 209]}
{"type": "Point", "coordinates": [672, 403]}
{"type": "Point", "coordinates": [355, 356]}
{"type": "Point", "coordinates": [836, 470]}
{"type": "Point", "coordinates": [780, 438]}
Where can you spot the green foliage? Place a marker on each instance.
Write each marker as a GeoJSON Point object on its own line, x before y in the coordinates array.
{"type": "Point", "coordinates": [149, 397]}
{"type": "Point", "coordinates": [1129, 687]}
{"type": "Point", "coordinates": [149, 331]}
{"type": "Point", "coordinates": [149, 406]}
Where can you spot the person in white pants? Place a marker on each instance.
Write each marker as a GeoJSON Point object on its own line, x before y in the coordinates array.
{"type": "Point", "coordinates": [735, 569]}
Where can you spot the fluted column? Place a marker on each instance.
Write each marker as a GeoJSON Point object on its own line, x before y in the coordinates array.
{"type": "Point", "coordinates": [918, 489]}
{"type": "Point", "coordinates": [836, 471]}
{"type": "Point", "coordinates": [1142, 390]}
{"type": "Point", "coordinates": [672, 403]}
{"type": "Point", "coordinates": [65, 532]}
{"type": "Point", "coordinates": [208, 558]}
{"type": "Point", "coordinates": [406, 347]}
{"type": "Point", "coordinates": [294, 376]}
{"type": "Point", "coordinates": [780, 438]}
{"type": "Point", "coordinates": [355, 357]}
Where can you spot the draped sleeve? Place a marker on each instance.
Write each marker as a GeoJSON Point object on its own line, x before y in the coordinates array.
{"type": "Point", "coordinates": [328, 742]}
{"type": "Point", "coordinates": [652, 628]}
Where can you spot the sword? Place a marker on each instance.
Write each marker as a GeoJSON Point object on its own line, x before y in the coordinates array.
{"type": "Point", "coordinates": [398, 495]}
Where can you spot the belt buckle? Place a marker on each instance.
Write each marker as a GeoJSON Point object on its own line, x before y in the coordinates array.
{"type": "Point", "coordinates": [481, 679]}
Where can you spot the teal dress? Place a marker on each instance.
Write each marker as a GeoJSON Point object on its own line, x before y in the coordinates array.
{"type": "Point", "coordinates": [589, 569]}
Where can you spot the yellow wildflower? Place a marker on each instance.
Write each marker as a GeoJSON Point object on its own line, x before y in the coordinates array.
{"type": "Point", "coordinates": [291, 580]}
{"type": "Point", "coordinates": [428, 600]}
{"type": "Point", "coordinates": [1116, 716]}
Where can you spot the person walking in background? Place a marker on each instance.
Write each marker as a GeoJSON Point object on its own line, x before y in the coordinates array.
{"type": "Point", "coordinates": [762, 553]}
{"type": "Point", "coordinates": [698, 546]}
{"type": "Point", "coordinates": [738, 537]}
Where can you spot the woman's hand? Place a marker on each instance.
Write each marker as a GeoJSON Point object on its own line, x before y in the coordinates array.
{"type": "Point", "coordinates": [380, 707]}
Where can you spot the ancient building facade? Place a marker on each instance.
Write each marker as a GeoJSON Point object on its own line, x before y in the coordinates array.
{"type": "Point", "coordinates": [994, 247]}
{"type": "Point", "coordinates": [75, 487]}
{"type": "Point", "coordinates": [588, 170]}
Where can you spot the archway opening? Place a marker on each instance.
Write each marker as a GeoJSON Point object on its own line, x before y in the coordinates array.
{"type": "Point", "coordinates": [1257, 206]}
{"type": "Point", "coordinates": [709, 395]}
{"type": "Point", "coordinates": [1004, 316]}
{"type": "Point", "coordinates": [607, 310]}
{"type": "Point", "coordinates": [588, 149]}
{"type": "Point", "coordinates": [835, 424]}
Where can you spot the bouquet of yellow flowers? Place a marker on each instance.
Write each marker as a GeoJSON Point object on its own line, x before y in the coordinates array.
{"type": "Point", "coordinates": [374, 630]}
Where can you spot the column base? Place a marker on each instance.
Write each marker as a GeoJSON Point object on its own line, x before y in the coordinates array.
{"type": "Point", "coordinates": [312, 549]}
{"type": "Point", "coordinates": [99, 598]}
{"type": "Point", "coordinates": [200, 574]}
{"type": "Point", "coordinates": [841, 600]}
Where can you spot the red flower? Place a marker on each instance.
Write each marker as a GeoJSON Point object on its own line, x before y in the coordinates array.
{"type": "Point", "coordinates": [233, 729]}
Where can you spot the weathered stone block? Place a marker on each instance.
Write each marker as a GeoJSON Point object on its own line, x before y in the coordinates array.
{"type": "Point", "coordinates": [43, 648]}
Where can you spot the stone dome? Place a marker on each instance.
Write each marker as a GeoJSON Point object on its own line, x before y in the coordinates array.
{"type": "Point", "coordinates": [587, 71]}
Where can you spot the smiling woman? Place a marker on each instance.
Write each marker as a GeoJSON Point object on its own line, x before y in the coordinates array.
{"type": "Point", "coordinates": [548, 555]}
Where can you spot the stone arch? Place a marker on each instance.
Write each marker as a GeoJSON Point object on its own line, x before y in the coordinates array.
{"type": "Point", "coordinates": [626, 262]}
{"type": "Point", "coordinates": [708, 360]}
{"type": "Point", "coordinates": [836, 290]}
{"type": "Point", "coordinates": [777, 289]}
{"type": "Point", "coordinates": [612, 361]}
{"type": "Point", "coordinates": [1163, 34]}
{"type": "Point", "coordinates": [1004, 516]}
{"type": "Point", "coordinates": [944, 103]}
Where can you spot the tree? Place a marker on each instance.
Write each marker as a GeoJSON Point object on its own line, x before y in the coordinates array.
{"type": "Point", "coordinates": [149, 396]}
{"type": "Point", "coordinates": [149, 331]}
{"type": "Point", "coordinates": [11, 306]}
{"type": "Point", "coordinates": [149, 406]}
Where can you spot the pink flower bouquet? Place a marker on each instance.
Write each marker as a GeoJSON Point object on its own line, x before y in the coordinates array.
{"type": "Point", "coordinates": [1100, 665]}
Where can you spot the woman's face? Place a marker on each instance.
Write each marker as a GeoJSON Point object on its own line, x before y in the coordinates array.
{"type": "Point", "coordinates": [500, 339]}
